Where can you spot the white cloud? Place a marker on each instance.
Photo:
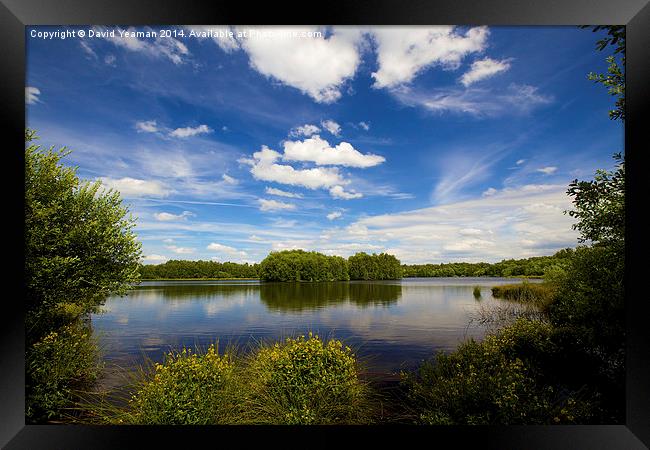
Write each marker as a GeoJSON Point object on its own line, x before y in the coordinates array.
{"type": "Point", "coordinates": [317, 66]}
{"type": "Point", "coordinates": [189, 131]}
{"type": "Point", "coordinates": [281, 193]}
{"type": "Point", "coordinates": [339, 192]}
{"type": "Point", "coordinates": [169, 217]}
{"type": "Point", "coordinates": [520, 162]}
{"type": "Point", "coordinates": [264, 167]}
{"type": "Point", "coordinates": [304, 130]}
{"type": "Point", "coordinates": [404, 52]}
{"type": "Point", "coordinates": [180, 250]}
{"type": "Point", "coordinates": [169, 47]}
{"type": "Point", "coordinates": [147, 126]}
{"type": "Point", "coordinates": [133, 187]}
{"type": "Point", "coordinates": [524, 221]}
{"type": "Point", "coordinates": [489, 191]}
{"type": "Point", "coordinates": [32, 94]}
{"type": "Point", "coordinates": [334, 215]}
{"type": "Point", "coordinates": [331, 126]}
{"type": "Point", "coordinates": [274, 205]}
{"type": "Point", "coordinates": [484, 68]}
{"type": "Point", "coordinates": [229, 180]}
{"type": "Point", "coordinates": [547, 170]}
{"type": "Point", "coordinates": [216, 247]}
{"type": "Point", "coordinates": [319, 151]}
{"type": "Point", "coordinates": [154, 258]}
{"type": "Point", "coordinates": [364, 125]}
{"type": "Point", "coordinates": [478, 102]}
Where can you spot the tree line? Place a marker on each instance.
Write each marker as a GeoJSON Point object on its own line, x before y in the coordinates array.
{"type": "Point", "coordinates": [174, 269]}
{"type": "Point", "coordinates": [301, 265]}
{"type": "Point", "coordinates": [529, 267]}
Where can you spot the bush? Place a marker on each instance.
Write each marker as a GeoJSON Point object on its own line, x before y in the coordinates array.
{"type": "Point", "coordinates": [497, 381]}
{"type": "Point", "coordinates": [57, 366]}
{"type": "Point", "coordinates": [187, 389]}
{"type": "Point", "coordinates": [307, 381]}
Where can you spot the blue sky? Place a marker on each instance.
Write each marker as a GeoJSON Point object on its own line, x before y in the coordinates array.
{"type": "Point", "coordinates": [436, 144]}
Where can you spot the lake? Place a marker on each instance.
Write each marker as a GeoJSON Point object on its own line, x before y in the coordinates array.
{"type": "Point", "coordinates": [391, 325]}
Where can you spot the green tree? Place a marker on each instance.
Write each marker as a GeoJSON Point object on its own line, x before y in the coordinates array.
{"type": "Point", "coordinates": [79, 248]}
{"type": "Point", "coordinates": [614, 81]}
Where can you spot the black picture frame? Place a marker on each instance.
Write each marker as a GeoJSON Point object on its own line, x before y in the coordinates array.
{"type": "Point", "coordinates": [635, 14]}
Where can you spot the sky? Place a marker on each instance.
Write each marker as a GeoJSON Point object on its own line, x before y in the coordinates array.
{"type": "Point", "coordinates": [435, 144]}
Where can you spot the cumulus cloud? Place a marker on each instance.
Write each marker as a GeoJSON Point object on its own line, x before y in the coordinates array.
{"type": "Point", "coordinates": [318, 66]}
{"type": "Point", "coordinates": [133, 187]}
{"type": "Point", "coordinates": [484, 68]}
{"type": "Point", "coordinates": [32, 94]}
{"type": "Point", "coordinates": [274, 205]}
{"type": "Point", "coordinates": [364, 125]}
{"type": "Point", "coordinates": [402, 53]}
{"type": "Point", "coordinates": [331, 126]}
{"type": "Point", "coordinates": [319, 151]}
{"type": "Point", "coordinates": [264, 167]}
{"type": "Point", "coordinates": [304, 130]}
{"type": "Point", "coordinates": [339, 192]}
{"type": "Point", "coordinates": [281, 193]}
{"type": "Point", "coordinates": [190, 131]}
{"type": "Point", "coordinates": [334, 215]}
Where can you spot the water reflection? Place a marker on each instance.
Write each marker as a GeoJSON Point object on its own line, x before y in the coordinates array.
{"type": "Point", "coordinates": [296, 297]}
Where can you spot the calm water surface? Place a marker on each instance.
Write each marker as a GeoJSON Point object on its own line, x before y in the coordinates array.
{"type": "Point", "coordinates": [392, 325]}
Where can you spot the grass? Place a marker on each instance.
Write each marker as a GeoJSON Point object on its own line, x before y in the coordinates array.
{"type": "Point", "coordinates": [540, 294]}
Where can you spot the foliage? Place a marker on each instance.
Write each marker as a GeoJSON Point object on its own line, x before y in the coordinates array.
{"type": "Point", "coordinates": [187, 389]}
{"type": "Point", "coordinates": [79, 244]}
{"type": "Point", "coordinates": [496, 381]}
{"type": "Point", "coordinates": [79, 248]}
{"type": "Point", "coordinates": [306, 381]}
{"type": "Point", "coordinates": [180, 269]}
{"type": "Point", "coordinates": [56, 367]}
{"type": "Point", "coordinates": [381, 266]}
{"type": "Point", "coordinates": [600, 206]}
{"type": "Point", "coordinates": [529, 267]}
{"type": "Point", "coordinates": [299, 265]}
{"type": "Point", "coordinates": [614, 81]}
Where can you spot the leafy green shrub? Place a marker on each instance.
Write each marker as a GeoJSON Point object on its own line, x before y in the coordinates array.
{"type": "Point", "coordinates": [187, 389]}
{"type": "Point", "coordinates": [477, 292]}
{"type": "Point", "coordinates": [56, 367]}
{"type": "Point", "coordinates": [306, 381]}
{"type": "Point", "coordinates": [496, 381]}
